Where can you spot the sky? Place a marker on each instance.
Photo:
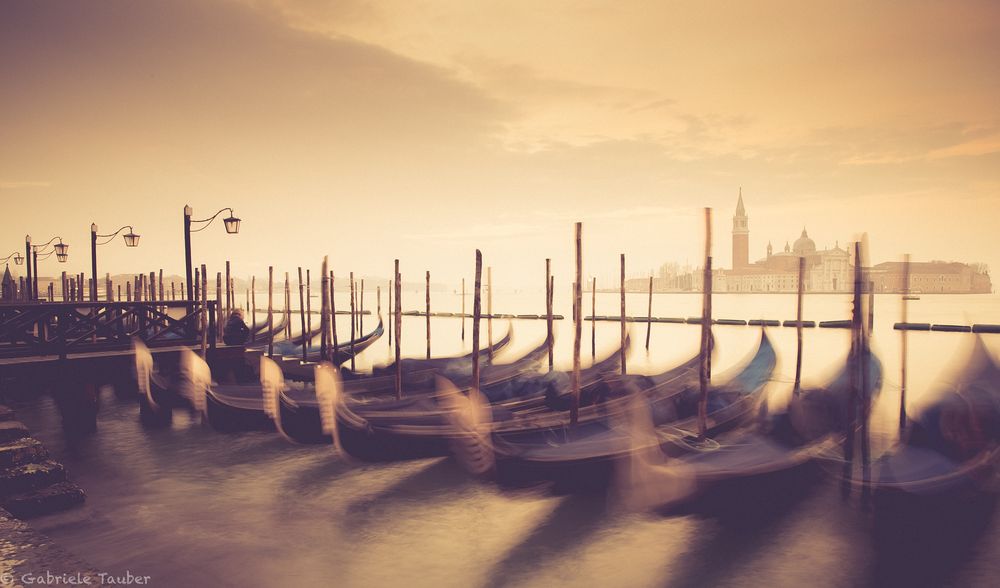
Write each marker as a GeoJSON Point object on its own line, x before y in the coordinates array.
{"type": "Point", "coordinates": [369, 131]}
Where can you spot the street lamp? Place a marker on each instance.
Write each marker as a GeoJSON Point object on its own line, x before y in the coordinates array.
{"type": "Point", "coordinates": [131, 240]}
{"type": "Point", "coordinates": [232, 224]}
{"type": "Point", "coordinates": [60, 249]}
{"type": "Point", "coordinates": [16, 256]}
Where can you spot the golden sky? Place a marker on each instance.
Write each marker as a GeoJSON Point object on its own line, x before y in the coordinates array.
{"type": "Point", "coordinates": [422, 130]}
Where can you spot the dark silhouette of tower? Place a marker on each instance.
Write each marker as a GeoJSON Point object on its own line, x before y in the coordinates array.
{"type": "Point", "coordinates": [741, 236]}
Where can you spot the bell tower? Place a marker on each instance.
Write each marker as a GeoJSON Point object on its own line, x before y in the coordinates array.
{"type": "Point", "coordinates": [741, 235]}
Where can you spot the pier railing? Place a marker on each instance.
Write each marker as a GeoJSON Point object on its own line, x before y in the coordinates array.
{"type": "Point", "coordinates": [62, 328]}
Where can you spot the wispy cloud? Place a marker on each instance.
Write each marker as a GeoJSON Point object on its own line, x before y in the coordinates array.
{"type": "Point", "coordinates": [16, 184]}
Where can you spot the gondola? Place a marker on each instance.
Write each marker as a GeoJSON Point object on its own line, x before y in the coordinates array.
{"type": "Point", "coordinates": [295, 368]}
{"type": "Point", "coordinates": [242, 407]}
{"type": "Point", "coordinates": [938, 484]}
{"type": "Point", "coordinates": [262, 334]}
{"type": "Point", "coordinates": [439, 364]}
{"type": "Point", "coordinates": [757, 467]}
{"type": "Point", "coordinates": [424, 427]}
{"type": "Point", "coordinates": [300, 409]}
{"type": "Point", "coordinates": [156, 400]}
{"type": "Point", "coordinates": [581, 457]}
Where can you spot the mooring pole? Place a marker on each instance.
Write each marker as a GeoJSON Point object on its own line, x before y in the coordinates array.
{"type": "Point", "coordinates": [463, 309]}
{"type": "Point", "coordinates": [428, 294]}
{"type": "Point", "coordinates": [649, 311]}
{"type": "Point", "coordinates": [593, 319]}
{"type": "Point", "coordinates": [476, 313]}
{"type": "Point", "coordinates": [905, 318]}
{"type": "Point", "coordinates": [353, 320]}
{"type": "Point", "coordinates": [489, 310]}
{"type": "Point", "coordinates": [621, 351]}
{"type": "Point", "coordinates": [705, 378]}
{"type": "Point", "coordinates": [399, 333]}
{"type": "Point", "coordinates": [392, 286]}
{"type": "Point", "coordinates": [798, 326]}
{"type": "Point", "coordinates": [302, 317]}
{"type": "Point", "coordinates": [574, 410]}
{"type": "Point", "coordinates": [309, 303]}
{"type": "Point", "coordinates": [548, 309]}
{"type": "Point", "coordinates": [270, 311]}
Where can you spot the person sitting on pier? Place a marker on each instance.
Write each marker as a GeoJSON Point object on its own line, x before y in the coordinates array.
{"type": "Point", "coordinates": [236, 331]}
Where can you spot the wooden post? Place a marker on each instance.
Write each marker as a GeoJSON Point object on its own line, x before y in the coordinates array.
{"type": "Point", "coordinates": [866, 400]}
{"type": "Point", "coordinates": [229, 292]}
{"type": "Point", "coordinates": [108, 290]}
{"type": "Point", "coordinates": [288, 307]}
{"type": "Point", "coordinates": [399, 332]}
{"type": "Point", "coordinates": [333, 317]}
{"type": "Point", "coordinates": [270, 311]}
{"type": "Point", "coordinates": [163, 293]}
{"type": "Point", "coordinates": [197, 285]}
{"type": "Point", "coordinates": [219, 306]}
{"type": "Point", "coordinates": [203, 316]}
{"type": "Point", "coordinates": [253, 308]}
{"type": "Point", "coordinates": [621, 352]}
{"type": "Point", "coordinates": [548, 310]}
{"type": "Point", "coordinates": [476, 313]}
{"type": "Point", "coordinates": [905, 318]}
{"type": "Point", "coordinates": [173, 290]}
{"type": "Point", "coordinates": [324, 310]}
{"type": "Point", "coordinates": [705, 378]}
{"type": "Point", "coordinates": [308, 301]}
{"type": "Point", "coordinates": [593, 319]}
{"type": "Point", "coordinates": [128, 291]}
{"type": "Point", "coordinates": [353, 323]}
{"type": "Point", "coordinates": [378, 300]}
{"type": "Point", "coordinates": [574, 410]}
{"type": "Point", "coordinates": [463, 309]}
{"type": "Point", "coordinates": [428, 322]}
{"type": "Point", "coordinates": [118, 298]}
{"type": "Point", "coordinates": [649, 311]}
{"type": "Point", "coordinates": [852, 404]}
{"type": "Point", "coordinates": [302, 317]}
{"type": "Point", "coordinates": [798, 326]}
{"type": "Point", "coordinates": [392, 286]}
{"type": "Point", "coordinates": [361, 309]}
{"type": "Point", "coordinates": [489, 310]}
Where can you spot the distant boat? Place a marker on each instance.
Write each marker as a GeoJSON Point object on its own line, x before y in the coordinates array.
{"type": "Point", "coordinates": [911, 297]}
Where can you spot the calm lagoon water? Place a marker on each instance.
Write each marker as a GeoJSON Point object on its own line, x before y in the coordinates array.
{"type": "Point", "coordinates": [192, 507]}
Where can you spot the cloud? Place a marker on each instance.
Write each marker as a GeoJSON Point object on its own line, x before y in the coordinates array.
{"type": "Point", "coordinates": [15, 185]}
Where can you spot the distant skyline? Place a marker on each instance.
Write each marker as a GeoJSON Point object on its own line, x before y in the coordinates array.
{"type": "Point", "coordinates": [375, 130]}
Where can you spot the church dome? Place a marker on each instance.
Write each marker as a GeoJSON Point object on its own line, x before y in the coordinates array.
{"type": "Point", "coordinates": [804, 245]}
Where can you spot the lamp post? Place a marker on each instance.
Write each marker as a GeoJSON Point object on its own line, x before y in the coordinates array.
{"type": "Point", "coordinates": [16, 256]}
{"type": "Point", "coordinates": [232, 227]}
{"type": "Point", "coordinates": [131, 240]}
{"type": "Point", "coordinates": [60, 249]}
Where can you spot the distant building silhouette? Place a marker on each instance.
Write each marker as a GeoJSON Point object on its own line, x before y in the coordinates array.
{"type": "Point", "coordinates": [827, 270]}
{"type": "Point", "coordinates": [741, 236]}
{"type": "Point", "coordinates": [941, 277]}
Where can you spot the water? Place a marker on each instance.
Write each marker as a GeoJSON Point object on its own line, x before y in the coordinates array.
{"type": "Point", "coordinates": [192, 507]}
